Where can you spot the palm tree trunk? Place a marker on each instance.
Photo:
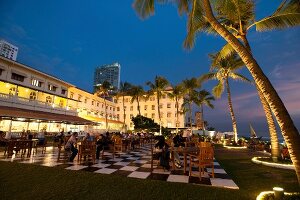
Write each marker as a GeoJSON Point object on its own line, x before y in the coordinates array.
{"type": "Point", "coordinates": [158, 108]}
{"type": "Point", "coordinates": [202, 116]}
{"type": "Point", "coordinates": [272, 128]}
{"type": "Point", "coordinates": [234, 126]}
{"type": "Point", "coordinates": [138, 102]}
{"type": "Point", "coordinates": [190, 111]}
{"type": "Point", "coordinates": [268, 113]}
{"type": "Point", "coordinates": [177, 117]}
{"type": "Point", "coordinates": [124, 114]}
{"type": "Point", "coordinates": [289, 131]}
{"type": "Point", "coordinates": [106, 122]}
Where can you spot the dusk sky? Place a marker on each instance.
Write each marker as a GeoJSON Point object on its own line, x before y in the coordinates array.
{"type": "Point", "coordinates": [68, 39]}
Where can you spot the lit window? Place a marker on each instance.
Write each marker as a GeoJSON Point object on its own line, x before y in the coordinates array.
{"type": "Point", "coordinates": [168, 105]}
{"type": "Point", "coordinates": [153, 116]}
{"type": "Point", "coordinates": [32, 96]}
{"type": "Point", "coordinates": [85, 100]}
{"type": "Point", "coordinates": [168, 114]}
{"type": "Point", "coordinates": [118, 108]}
{"type": "Point", "coordinates": [97, 104]}
{"type": "Point", "coordinates": [52, 87]}
{"type": "Point", "coordinates": [61, 103]}
{"type": "Point", "coordinates": [13, 91]}
{"type": "Point", "coordinates": [153, 107]}
{"type": "Point", "coordinates": [161, 106]}
{"type": "Point", "coordinates": [92, 103]}
{"type": "Point", "coordinates": [48, 100]}
{"type": "Point", "coordinates": [36, 82]}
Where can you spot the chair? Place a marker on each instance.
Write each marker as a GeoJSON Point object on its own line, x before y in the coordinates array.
{"type": "Point", "coordinates": [204, 158]}
{"type": "Point", "coordinates": [86, 149]}
{"type": "Point", "coordinates": [61, 149]}
{"type": "Point", "coordinates": [118, 145]}
{"type": "Point", "coordinates": [204, 144]}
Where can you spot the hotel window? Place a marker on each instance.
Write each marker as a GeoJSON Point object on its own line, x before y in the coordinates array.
{"type": "Point", "coordinates": [114, 109]}
{"type": "Point", "coordinates": [145, 108]}
{"type": "Point", "coordinates": [118, 108]}
{"type": "Point", "coordinates": [32, 96]}
{"type": "Point", "coordinates": [153, 107]}
{"type": "Point", "coordinates": [97, 104]}
{"type": "Point", "coordinates": [63, 91]}
{"type": "Point", "coordinates": [161, 114]}
{"type": "Point", "coordinates": [36, 82]}
{"type": "Point", "coordinates": [48, 99]}
{"type": "Point", "coordinates": [161, 106]}
{"type": "Point", "coordinates": [164, 96]}
{"type": "Point", "coordinates": [85, 100]}
{"type": "Point", "coordinates": [17, 77]}
{"type": "Point", "coordinates": [126, 100]}
{"type": "Point", "coordinates": [131, 108]}
{"type": "Point", "coordinates": [52, 87]}
{"type": "Point", "coordinates": [168, 114]}
{"type": "Point", "coordinates": [13, 91]}
{"type": "Point", "coordinates": [106, 107]}
{"type": "Point", "coordinates": [153, 116]}
{"type": "Point", "coordinates": [168, 105]}
{"type": "Point", "coordinates": [131, 116]}
{"type": "Point", "coordinates": [61, 103]}
{"type": "Point", "coordinates": [152, 98]}
{"type": "Point", "coordinates": [71, 95]}
{"type": "Point", "coordinates": [92, 103]}
{"type": "Point", "coordinates": [79, 97]}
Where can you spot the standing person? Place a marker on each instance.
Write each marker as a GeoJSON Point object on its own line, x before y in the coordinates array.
{"type": "Point", "coordinates": [70, 146]}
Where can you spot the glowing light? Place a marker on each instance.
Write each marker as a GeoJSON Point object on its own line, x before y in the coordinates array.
{"type": "Point", "coordinates": [279, 189]}
{"type": "Point", "coordinates": [53, 105]}
{"type": "Point", "coordinates": [26, 90]}
{"type": "Point", "coordinates": [7, 85]}
{"type": "Point", "coordinates": [21, 119]}
{"type": "Point", "coordinates": [232, 147]}
{"type": "Point", "coordinates": [271, 164]}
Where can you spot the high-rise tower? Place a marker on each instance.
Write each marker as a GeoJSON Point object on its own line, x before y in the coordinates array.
{"type": "Point", "coordinates": [109, 73]}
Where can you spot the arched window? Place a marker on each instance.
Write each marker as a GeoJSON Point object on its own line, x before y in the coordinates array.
{"type": "Point", "coordinates": [32, 96]}
{"type": "Point", "coordinates": [48, 100]}
{"type": "Point", "coordinates": [13, 91]}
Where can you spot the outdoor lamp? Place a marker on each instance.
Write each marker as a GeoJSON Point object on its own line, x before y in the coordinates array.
{"type": "Point", "coordinates": [278, 193]}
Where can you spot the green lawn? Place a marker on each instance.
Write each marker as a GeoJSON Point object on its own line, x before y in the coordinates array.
{"type": "Point", "coordinates": [27, 181]}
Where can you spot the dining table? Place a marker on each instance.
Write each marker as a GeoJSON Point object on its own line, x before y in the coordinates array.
{"type": "Point", "coordinates": [184, 151]}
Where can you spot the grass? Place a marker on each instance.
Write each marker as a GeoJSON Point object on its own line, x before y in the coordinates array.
{"type": "Point", "coordinates": [27, 181]}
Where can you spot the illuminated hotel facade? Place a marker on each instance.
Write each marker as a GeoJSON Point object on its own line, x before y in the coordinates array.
{"type": "Point", "coordinates": [36, 101]}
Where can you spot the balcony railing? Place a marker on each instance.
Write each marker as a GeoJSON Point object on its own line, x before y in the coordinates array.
{"type": "Point", "coordinates": [21, 102]}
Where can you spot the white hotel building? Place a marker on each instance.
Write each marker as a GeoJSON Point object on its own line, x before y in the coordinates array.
{"type": "Point", "coordinates": [33, 100]}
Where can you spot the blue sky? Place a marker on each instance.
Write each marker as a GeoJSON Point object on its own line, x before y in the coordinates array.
{"type": "Point", "coordinates": [68, 39]}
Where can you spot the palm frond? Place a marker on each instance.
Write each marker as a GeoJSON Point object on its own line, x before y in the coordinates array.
{"type": "Point", "coordinates": [218, 89]}
{"type": "Point", "coordinates": [183, 6]}
{"type": "Point", "coordinates": [224, 53]}
{"type": "Point", "coordinates": [144, 8]}
{"type": "Point", "coordinates": [281, 21]}
{"type": "Point", "coordinates": [207, 77]}
{"type": "Point", "coordinates": [287, 15]}
{"type": "Point", "coordinates": [239, 77]}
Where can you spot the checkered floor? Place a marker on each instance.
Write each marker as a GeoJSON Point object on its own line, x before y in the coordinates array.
{"type": "Point", "coordinates": [134, 164]}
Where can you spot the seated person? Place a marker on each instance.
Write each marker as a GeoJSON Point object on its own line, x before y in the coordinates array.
{"type": "Point", "coordinates": [164, 155]}
{"type": "Point", "coordinates": [178, 142]}
{"type": "Point", "coordinates": [41, 137]}
{"type": "Point", "coordinates": [60, 137]}
{"type": "Point", "coordinates": [87, 137]}
{"type": "Point", "coordinates": [70, 146]}
{"type": "Point", "coordinates": [101, 143]}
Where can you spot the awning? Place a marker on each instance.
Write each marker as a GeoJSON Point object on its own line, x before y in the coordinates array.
{"type": "Point", "coordinates": [19, 114]}
{"type": "Point", "coordinates": [97, 119]}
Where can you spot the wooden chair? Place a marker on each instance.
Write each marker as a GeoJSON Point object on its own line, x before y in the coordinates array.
{"type": "Point", "coordinates": [204, 144]}
{"type": "Point", "coordinates": [204, 158]}
{"type": "Point", "coordinates": [86, 149]}
{"type": "Point", "coordinates": [118, 146]}
{"type": "Point", "coordinates": [61, 150]}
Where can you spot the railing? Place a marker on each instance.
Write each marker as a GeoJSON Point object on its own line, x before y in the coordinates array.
{"type": "Point", "coordinates": [21, 102]}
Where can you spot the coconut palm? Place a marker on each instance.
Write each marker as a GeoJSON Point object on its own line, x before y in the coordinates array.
{"type": "Point", "coordinates": [124, 90]}
{"type": "Point", "coordinates": [158, 88]}
{"type": "Point", "coordinates": [201, 98]}
{"type": "Point", "coordinates": [222, 70]}
{"type": "Point", "coordinates": [136, 93]}
{"type": "Point", "coordinates": [189, 90]}
{"type": "Point", "coordinates": [201, 15]}
{"type": "Point", "coordinates": [176, 94]}
{"type": "Point", "coordinates": [103, 91]}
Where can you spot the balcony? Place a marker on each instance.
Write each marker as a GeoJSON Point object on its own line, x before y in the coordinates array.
{"type": "Point", "coordinates": [20, 102]}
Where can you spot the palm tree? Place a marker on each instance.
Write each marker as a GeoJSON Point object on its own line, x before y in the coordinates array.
{"type": "Point", "coordinates": [176, 94]}
{"type": "Point", "coordinates": [158, 88]}
{"type": "Point", "coordinates": [287, 15]}
{"type": "Point", "coordinates": [189, 88]}
{"type": "Point", "coordinates": [222, 70]}
{"type": "Point", "coordinates": [137, 92]}
{"type": "Point", "coordinates": [124, 90]}
{"type": "Point", "coordinates": [103, 91]}
{"type": "Point", "coordinates": [201, 98]}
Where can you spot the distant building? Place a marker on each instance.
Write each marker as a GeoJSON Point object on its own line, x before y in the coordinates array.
{"type": "Point", "coordinates": [109, 73]}
{"type": "Point", "coordinates": [8, 50]}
